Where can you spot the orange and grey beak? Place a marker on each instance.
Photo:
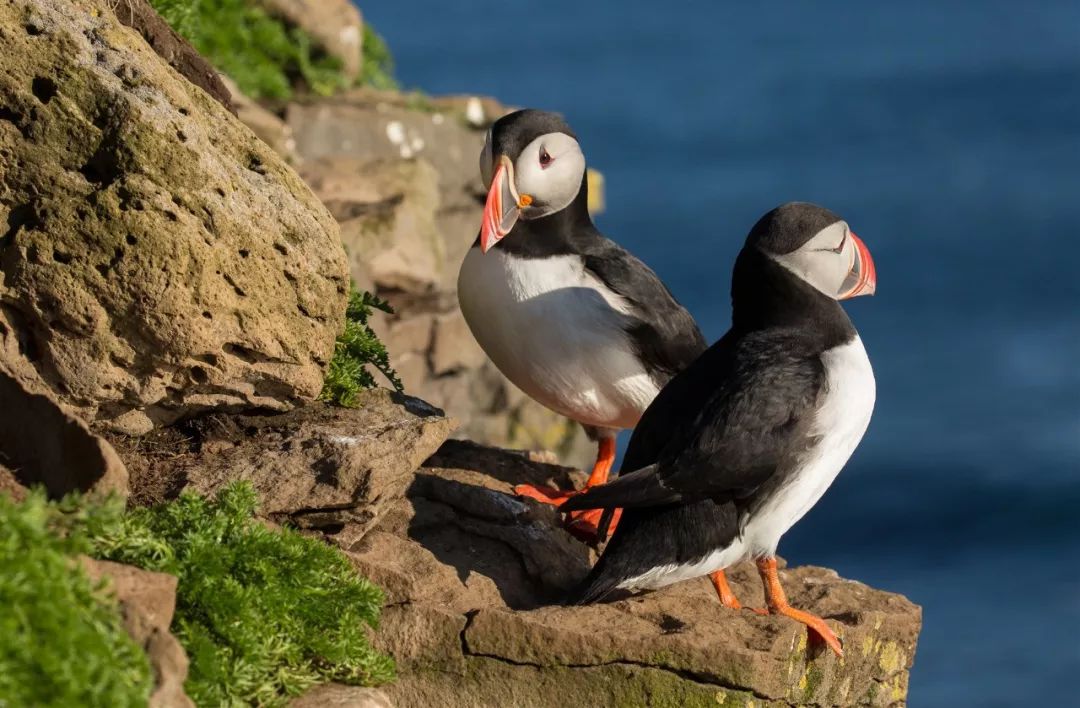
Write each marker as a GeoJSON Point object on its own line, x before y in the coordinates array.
{"type": "Point", "coordinates": [503, 206]}
{"type": "Point", "coordinates": [862, 278]}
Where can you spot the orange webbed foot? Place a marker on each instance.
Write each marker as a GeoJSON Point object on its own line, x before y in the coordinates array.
{"type": "Point", "coordinates": [778, 605]}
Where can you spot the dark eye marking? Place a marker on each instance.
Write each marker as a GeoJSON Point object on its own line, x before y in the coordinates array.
{"type": "Point", "coordinates": [838, 249]}
{"type": "Point", "coordinates": [545, 158]}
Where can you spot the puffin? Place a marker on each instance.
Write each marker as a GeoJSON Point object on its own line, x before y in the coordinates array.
{"type": "Point", "coordinates": [567, 315]}
{"type": "Point", "coordinates": [743, 442]}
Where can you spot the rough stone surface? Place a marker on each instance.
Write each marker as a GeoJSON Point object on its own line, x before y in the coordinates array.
{"type": "Point", "coordinates": [147, 602]}
{"type": "Point", "coordinates": [387, 211]}
{"type": "Point", "coordinates": [170, 46]}
{"type": "Point", "coordinates": [9, 485]}
{"type": "Point", "coordinates": [471, 574]}
{"type": "Point", "coordinates": [42, 443]}
{"type": "Point", "coordinates": [335, 695]}
{"type": "Point", "coordinates": [334, 24]}
{"type": "Point", "coordinates": [156, 258]}
{"type": "Point", "coordinates": [318, 466]}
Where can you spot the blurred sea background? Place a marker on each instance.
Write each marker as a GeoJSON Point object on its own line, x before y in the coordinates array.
{"type": "Point", "coordinates": [948, 135]}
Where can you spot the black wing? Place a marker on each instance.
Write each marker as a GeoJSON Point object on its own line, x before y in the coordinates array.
{"type": "Point", "coordinates": [666, 337]}
{"type": "Point", "coordinates": [763, 395]}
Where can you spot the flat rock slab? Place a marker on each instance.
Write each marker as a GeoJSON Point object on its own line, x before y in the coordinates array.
{"type": "Point", "coordinates": [319, 466]}
{"type": "Point", "coordinates": [473, 576]}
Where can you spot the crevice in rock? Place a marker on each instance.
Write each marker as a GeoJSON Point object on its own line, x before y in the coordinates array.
{"type": "Point", "coordinates": [249, 355]}
{"type": "Point", "coordinates": [43, 88]}
{"type": "Point", "coordinates": [236, 288]}
{"type": "Point", "coordinates": [21, 217]}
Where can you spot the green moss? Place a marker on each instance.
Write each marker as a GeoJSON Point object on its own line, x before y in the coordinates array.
{"type": "Point", "coordinates": [812, 681]}
{"type": "Point", "coordinates": [263, 614]}
{"type": "Point", "coordinates": [61, 638]}
{"type": "Point", "coordinates": [356, 348]}
{"type": "Point", "coordinates": [265, 57]}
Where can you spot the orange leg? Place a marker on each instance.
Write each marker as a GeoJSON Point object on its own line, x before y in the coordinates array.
{"type": "Point", "coordinates": [582, 524]}
{"type": "Point", "coordinates": [723, 591]}
{"type": "Point", "coordinates": [778, 605]}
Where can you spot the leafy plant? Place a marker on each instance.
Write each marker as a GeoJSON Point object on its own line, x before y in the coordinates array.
{"type": "Point", "coordinates": [265, 57]}
{"type": "Point", "coordinates": [61, 638]}
{"type": "Point", "coordinates": [357, 347]}
{"type": "Point", "coordinates": [377, 69]}
{"type": "Point", "coordinates": [263, 614]}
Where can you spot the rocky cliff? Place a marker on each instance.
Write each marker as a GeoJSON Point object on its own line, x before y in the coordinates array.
{"type": "Point", "coordinates": [172, 278]}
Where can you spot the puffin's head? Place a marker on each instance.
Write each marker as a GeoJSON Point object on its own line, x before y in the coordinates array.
{"type": "Point", "coordinates": [532, 166]}
{"type": "Point", "coordinates": [818, 247]}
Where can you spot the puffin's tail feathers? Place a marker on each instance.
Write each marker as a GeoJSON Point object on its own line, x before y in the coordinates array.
{"type": "Point", "coordinates": [593, 588]}
{"type": "Point", "coordinates": [639, 488]}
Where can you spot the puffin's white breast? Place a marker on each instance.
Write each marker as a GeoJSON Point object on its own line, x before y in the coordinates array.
{"type": "Point", "coordinates": [842, 418]}
{"type": "Point", "coordinates": [556, 332]}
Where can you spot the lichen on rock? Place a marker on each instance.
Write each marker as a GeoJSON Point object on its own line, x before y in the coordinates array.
{"type": "Point", "coordinates": [156, 258]}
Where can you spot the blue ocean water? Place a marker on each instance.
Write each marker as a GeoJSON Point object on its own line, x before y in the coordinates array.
{"type": "Point", "coordinates": [948, 135]}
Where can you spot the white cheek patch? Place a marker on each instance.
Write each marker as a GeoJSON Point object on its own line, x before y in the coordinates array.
{"type": "Point", "coordinates": [818, 263]}
{"type": "Point", "coordinates": [555, 186]}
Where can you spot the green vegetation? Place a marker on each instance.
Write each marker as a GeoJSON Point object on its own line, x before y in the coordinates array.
{"type": "Point", "coordinates": [263, 614]}
{"type": "Point", "coordinates": [356, 348]}
{"type": "Point", "coordinates": [266, 58]}
{"type": "Point", "coordinates": [377, 69]}
{"type": "Point", "coordinates": [61, 638]}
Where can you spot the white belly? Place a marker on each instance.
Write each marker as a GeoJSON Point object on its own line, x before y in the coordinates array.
{"type": "Point", "coordinates": [665, 575]}
{"type": "Point", "coordinates": [841, 421]}
{"type": "Point", "coordinates": [554, 330]}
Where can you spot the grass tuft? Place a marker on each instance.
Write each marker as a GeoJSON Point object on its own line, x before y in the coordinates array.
{"type": "Point", "coordinates": [263, 614]}
{"type": "Point", "coordinates": [265, 57]}
{"type": "Point", "coordinates": [356, 348]}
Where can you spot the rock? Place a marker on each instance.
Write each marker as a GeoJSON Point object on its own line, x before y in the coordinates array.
{"type": "Point", "coordinates": [9, 485]}
{"type": "Point", "coordinates": [473, 576]}
{"type": "Point", "coordinates": [336, 695]}
{"type": "Point", "coordinates": [317, 467]}
{"type": "Point", "coordinates": [159, 260]}
{"type": "Point", "coordinates": [453, 348]}
{"type": "Point", "coordinates": [387, 211]}
{"type": "Point", "coordinates": [270, 129]}
{"type": "Point", "coordinates": [147, 602]}
{"type": "Point", "coordinates": [334, 24]}
{"type": "Point", "coordinates": [41, 443]}
{"type": "Point", "coordinates": [170, 46]}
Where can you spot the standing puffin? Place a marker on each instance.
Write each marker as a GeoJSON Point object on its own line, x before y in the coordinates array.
{"type": "Point", "coordinates": [572, 319]}
{"type": "Point", "coordinates": [740, 445]}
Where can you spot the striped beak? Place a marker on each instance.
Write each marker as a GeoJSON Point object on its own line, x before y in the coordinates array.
{"type": "Point", "coordinates": [862, 278]}
{"type": "Point", "coordinates": [503, 206]}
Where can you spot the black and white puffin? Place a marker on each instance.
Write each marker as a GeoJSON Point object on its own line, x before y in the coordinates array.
{"type": "Point", "coordinates": [571, 318]}
{"type": "Point", "coordinates": [740, 445]}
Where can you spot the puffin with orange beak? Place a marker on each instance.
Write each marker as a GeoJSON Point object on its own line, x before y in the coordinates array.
{"type": "Point", "coordinates": [572, 319]}
{"type": "Point", "coordinates": [740, 445]}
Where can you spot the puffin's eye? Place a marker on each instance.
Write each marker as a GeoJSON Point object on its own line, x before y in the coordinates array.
{"type": "Point", "coordinates": [545, 158]}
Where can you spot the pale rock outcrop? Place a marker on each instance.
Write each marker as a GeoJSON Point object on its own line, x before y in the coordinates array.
{"type": "Point", "coordinates": [156, 258]}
